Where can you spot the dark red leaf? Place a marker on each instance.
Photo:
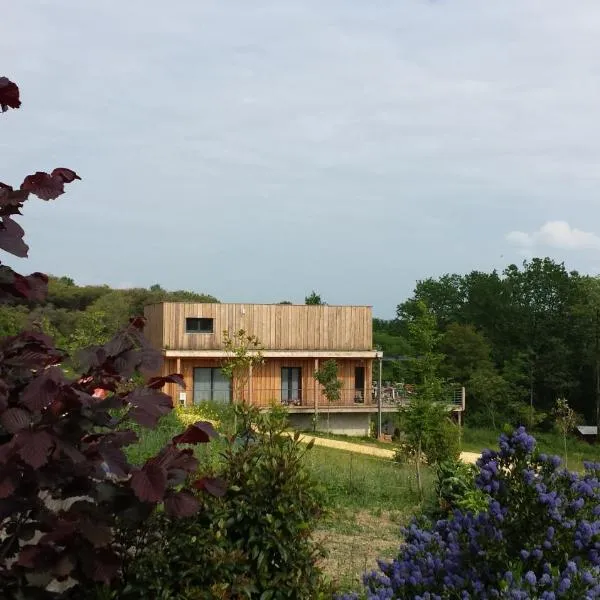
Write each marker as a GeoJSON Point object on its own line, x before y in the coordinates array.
{"type": "Point", "coordinates": [11, 200]}
{"type": "Point", "coordinates": [215, 486]}
{"type": "Point", "coordinates": [61, 530]}
{"type": "Point", "coordinates": [114, 459]}
{"type": "Point", "coordinates": [98, 535]}
{"type": "Point", "coordinates": [11, 238]}
{"type": "Point", "coordinates": [198, 433]}
{"type": "Point", "coordinates": [149, 483]}
{"type": "Point", "coordinates": [43, 185]}
{"type": "Point", "coordinates": [29, 556]}
{"type": "Point", "coordinates": [7, 487]}
{"type": "Point", "coordinates": [151, 361]}
{"type": "Point", "coordinates": [148, 406]}
{"type": "Point", "coordinates": [34, 447]}
{"type": "Point", "coordinates": [4, 391]}
{"type": "Point", "coordinates": [15, 419]}
{"type": "Point", "coordinates": [9, 94]}
{"type": "Point", "coordinates": [138, 323]}
{"type": "Point", "coordinates": [38, 287]}
{"type": "Point", "coordinates": [105, 566]}
{"type": "Point", "coordinates": [43, 390]}
{"type": "Point", "coordinates": [71, 452]}
{"type": "Point", "coordinates": [181, 504]}
{"type": "Point", "coordinates": [157, 383]}
{"type": "Point", "coordinates": [67, 175]}
{"type": "Point", "coordinates": [64, 566]}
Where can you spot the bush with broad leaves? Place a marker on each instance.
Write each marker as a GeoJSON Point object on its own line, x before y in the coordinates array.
{"type": "Point", "coordinates": [66, 487]}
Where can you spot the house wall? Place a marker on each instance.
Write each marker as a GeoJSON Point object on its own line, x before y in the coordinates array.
{"type": "Point", "coordinates": [277, 326]}
{"type": "Point", "coordinates": [355, 424]}
{"type": "Point", "coordinates": [265, 385]}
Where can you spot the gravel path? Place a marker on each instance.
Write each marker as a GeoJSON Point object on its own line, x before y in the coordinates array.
{"type": "Point", "coordinates": [468, 457]}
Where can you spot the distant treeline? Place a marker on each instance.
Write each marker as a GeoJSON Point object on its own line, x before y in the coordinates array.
{"type": "Point", "coordinates": [79, 316]}
{"type": "Point", "coordinates": [516, 339]}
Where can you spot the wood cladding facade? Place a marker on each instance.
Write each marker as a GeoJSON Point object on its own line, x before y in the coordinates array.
{"type": "Point", "coordinates": [264, 387]}
{"type": "Point", "coordinates": [277, 326]}
{"type": "Point", "coordinates": [296, 336]}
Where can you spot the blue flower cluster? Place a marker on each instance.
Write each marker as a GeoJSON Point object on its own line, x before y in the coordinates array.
{"type": "Point", "coordinates": [538, 539]}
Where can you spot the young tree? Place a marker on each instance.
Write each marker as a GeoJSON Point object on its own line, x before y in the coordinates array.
{"type": "Point", "coordinates": [424, 418]}
{"type": "Point", "coordinates": [244, 352]}
{"type": "Point", "coordinates": [565, 422]}
{"type": "Point", "coordinates": [327, 377]}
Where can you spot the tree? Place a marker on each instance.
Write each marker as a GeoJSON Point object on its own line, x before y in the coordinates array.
{"type": "Point", "coordinates": [466, 351]}
{"type": "Point", "coordinates": [424, 418]}
{"type": "Point", "coordinates": [244, 352]}
{"type": "Point", "coordinates": [565, 422]}
{"type": "Point", "coordinates": [327, 376]}
{"type": "Point", "coordinates": [427, 432]}
{"type": "Point", "coordinates": [490, 397]}
{"type": "Point", "coordinates": [444, 297]}
{"type": "Point", "coordinates": [424, 337]}
{"type": "Point", "coordinates": [313, 299]}
{"type": "Point", "coordinates": [65, 483]}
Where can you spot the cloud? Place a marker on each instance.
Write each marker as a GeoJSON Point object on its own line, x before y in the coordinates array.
{"type": "Point", "coordinates": [555, 234]}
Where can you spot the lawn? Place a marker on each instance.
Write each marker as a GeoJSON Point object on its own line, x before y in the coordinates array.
{"type": "Point", "coordinates": [368, 500]}
{"type": "Point", "coordinates": [475, 440]}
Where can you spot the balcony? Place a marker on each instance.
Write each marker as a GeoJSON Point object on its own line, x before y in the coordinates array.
{"type": "Point", "coordinates": [351, 399]}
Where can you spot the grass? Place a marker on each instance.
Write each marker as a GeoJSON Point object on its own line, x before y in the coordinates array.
{"type": "Point", "coordinates": [364, 440]}
{"type": "Point", "coordinates": [368, 499]}
{"type": "Point", "coordinates": [476, 440]}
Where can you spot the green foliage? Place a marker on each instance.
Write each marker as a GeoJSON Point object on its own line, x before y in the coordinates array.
{"type": "Point", "coordinates": [327, 377]}
{"type": "Point", "coordinates": [255, 541]}
{"type": "Point", "coordinates": [313, 299]}
{"type": "Point", "coordinates": [535, 325]}
{"type": "Point", "coordinates": [427, 433]}
{"type": "Point", "coordinates": [465, 351]}
{"type": "Point", "coordinates": [455, 488]}
{"type": "Point", "coordinates": [13, 319]}
{"type": "Point", "coordinates": [244, 351]}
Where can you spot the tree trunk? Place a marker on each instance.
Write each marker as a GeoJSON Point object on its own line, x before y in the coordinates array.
{"type": "Point", "coordinates": [418, 469]}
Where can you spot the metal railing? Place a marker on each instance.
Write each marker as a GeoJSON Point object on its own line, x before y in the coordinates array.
{"type": "Point", "coordinates": [396, 395]}
{"type": "Point", "coordinates": [401, 394]}
{"type": "Point", "coordinates": [305, 398]}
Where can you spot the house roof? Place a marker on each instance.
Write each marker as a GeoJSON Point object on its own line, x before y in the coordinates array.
{"type": "Point", "coordinates": [587, 429]}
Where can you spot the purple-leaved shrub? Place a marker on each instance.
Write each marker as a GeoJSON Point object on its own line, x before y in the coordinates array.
{"type": "Point", "coordinates": [539, 537]}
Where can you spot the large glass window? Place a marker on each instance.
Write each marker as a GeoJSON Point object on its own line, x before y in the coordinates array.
{"type": "Point", "coordinates": [211, 384]}
{"type": "Point", "coordinates": [291, 385]}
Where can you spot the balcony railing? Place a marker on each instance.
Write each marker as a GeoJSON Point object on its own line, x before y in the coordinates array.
{"type": "Point", "coordinates": [349, 397]}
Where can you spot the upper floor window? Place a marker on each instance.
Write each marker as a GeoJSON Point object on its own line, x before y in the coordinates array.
{"type": "Point", "coordinates": [199, 325]}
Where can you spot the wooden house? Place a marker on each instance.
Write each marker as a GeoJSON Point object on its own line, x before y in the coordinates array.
{"type": "Point", "coordinates": [296, 340]}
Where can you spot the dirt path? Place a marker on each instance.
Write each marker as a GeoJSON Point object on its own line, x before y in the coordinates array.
{"type": "Point", "coordinates": [468, 457]}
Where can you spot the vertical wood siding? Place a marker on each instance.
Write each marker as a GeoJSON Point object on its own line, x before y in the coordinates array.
{"type": "Point", "coordinates": [277, 326]}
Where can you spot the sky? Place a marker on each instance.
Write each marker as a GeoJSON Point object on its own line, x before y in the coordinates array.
{"type": "Point", "coordinates": [259, 150]}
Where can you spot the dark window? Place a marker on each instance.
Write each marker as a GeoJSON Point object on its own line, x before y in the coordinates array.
{"type": "Point", "coordinates": [359, 378]}
{"type": "Point", "coordinates": [291, 385]}
{"type": "Point", "coordinates": [198, 325]}
{"type": "Point", "coordinates": [359, 384]}
{"type": "Point", "coordinates": [211, 384]}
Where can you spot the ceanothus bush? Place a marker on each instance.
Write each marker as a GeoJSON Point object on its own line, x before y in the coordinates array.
{"type": "Point", "coordinates": [539, 537]}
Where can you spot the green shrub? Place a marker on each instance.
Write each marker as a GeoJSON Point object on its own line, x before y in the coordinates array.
{"type": "Point", "coordinates": [455, 487]}
{"type": "Point", "coordinates": [254, 542]}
